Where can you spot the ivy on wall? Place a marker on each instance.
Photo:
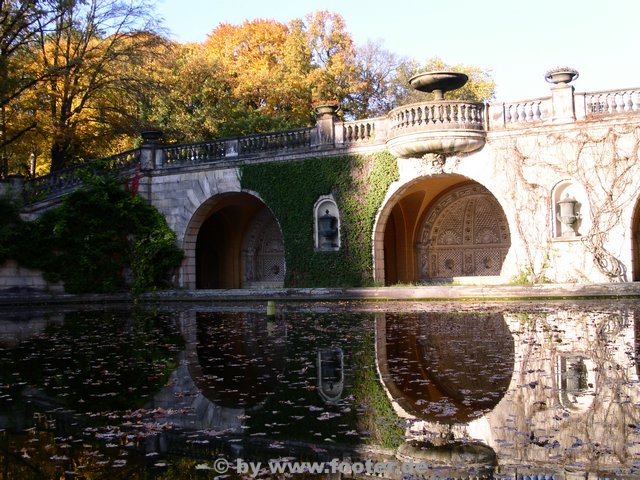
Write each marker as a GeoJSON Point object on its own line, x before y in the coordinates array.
{"type": "Point", "coordinates": [290, 189]}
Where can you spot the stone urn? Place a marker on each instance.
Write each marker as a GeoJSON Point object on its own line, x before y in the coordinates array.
{"type": "Point", "coordinates": [438, 83]}
{"type": "Point", "coordinates": [561, 76]}
{"type": "Point", "coordinates": [151, 136]}
{"type": "Point", "coordinates": [327, 107]}
{"type": "Point", "coordinates": [568, 216]}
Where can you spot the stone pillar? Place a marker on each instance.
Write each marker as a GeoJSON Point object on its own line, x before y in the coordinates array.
{"type": "Point", "coordinates": [326, 116]}
{"type": "Point", "coordinates": [148, 150]}
{"type": "Point", "coordinates": [564, 110]}
{"type": "Point", "coordinates": [562, 101]}
{"type": "Point", "coordinates": [151, 157]}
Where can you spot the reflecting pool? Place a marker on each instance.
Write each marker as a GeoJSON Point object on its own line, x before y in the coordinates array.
{"type": "Point", "coordinates": [321, 390]}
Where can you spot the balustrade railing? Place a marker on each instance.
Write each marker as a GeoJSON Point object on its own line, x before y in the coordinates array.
{"type": "Point", "coordinates": [431, 116]}
{"type": "Point", "coordinates": [269, 142]}
{"type": "Point", "coordinates": [196, 152]}
{"type": "Point", "coordinates": [518, 114]}
{"type": "Point", "coordinates": [612, 102]}
{"type": "Point", "coordinates": [68, 179]}
{"type": "Point", "coordinates": [437, 116]}
{"type": "Point", "coordinates": [359, 131]}
{"type": "Point", "coordinates": [529, 111]}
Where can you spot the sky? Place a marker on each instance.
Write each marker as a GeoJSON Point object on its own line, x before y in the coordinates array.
{"type": "Point", "coordinates": [516, 41]}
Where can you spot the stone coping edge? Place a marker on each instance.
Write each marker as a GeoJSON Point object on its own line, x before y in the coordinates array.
{"type": "Point", "coordinates": [413, 293]}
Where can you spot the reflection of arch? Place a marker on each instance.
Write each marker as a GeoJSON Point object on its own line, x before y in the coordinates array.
{"type": "Point", "coordinates": [446, 368]}
{"type": "Point", "coordinates": [234, 241]}
{"type": "Point", "coordinates": [464, 233]}
{"type": "Point", "coordinates": [237, 370]}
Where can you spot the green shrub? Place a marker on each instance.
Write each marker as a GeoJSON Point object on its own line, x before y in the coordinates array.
{"type": "Point", "coordinates": [96, 237]}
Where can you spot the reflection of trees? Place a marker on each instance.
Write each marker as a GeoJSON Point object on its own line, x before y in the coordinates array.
{"type": "Point", "coordinates": [96, 361]}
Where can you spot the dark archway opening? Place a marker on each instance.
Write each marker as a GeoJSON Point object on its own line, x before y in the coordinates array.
{"type": "Point", "coordinates": [239, 245]}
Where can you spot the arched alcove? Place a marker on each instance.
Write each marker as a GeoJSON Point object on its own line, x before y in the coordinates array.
{"type": "Point", "coordinates": [464, 233]}
{"type": "Point", "coordinates": [235, 242]}
{"type": "Point", "coordinates": [326, 219]}
{"type": "Point", "coordinates": [434, 221]}
{"type": "Point", "coordinates": [568, 197]}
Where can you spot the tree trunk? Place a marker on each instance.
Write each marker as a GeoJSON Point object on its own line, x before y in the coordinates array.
{"type": "Point", "coordinates": [59, 155]}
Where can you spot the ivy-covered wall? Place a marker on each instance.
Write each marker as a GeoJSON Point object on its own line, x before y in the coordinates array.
{"type": "Point", "coordinates": [290, 189]}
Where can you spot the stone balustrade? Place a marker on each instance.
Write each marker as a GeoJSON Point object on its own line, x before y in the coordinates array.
{"type": "Point", "coordinates": [64, 181]}
{"type": "Point", "coordinates": [612, 102]}
{"type": "Point", "coordinates": [442, 115]}
{"type": "Point", "coordinates": [197, 152]}
{"type": "Point", "coordinates": [519, 114]}
{"type": "Point", "coordinates": [361, 131]}
{"type": "Point", "coordinates": [272, 142]}
{"type": "Point", "coordinates": [440, 127]}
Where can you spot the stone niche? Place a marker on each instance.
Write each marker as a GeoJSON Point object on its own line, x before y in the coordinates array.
{"type": "Point", "coordinates": [326, 222]}
{"type": "Point", "coordinates": [568, 200]}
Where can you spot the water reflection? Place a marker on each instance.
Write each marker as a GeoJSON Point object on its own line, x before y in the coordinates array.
{"type": "Point", "coordinates": [503, 392]}
{"type": "Point", "coordinates": [239, 357]}
{"type": "Point", "coordinates": [552, 390]}
{"type": "Point", "coordinates": [330, 373]}
{"type": "Point", "coordinates": [446, 367]}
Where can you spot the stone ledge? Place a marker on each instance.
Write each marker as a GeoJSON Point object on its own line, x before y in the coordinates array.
{"type": "Point", "coordinates": [487, 293]}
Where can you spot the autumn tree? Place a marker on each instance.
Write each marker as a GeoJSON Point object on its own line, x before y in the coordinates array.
{"type": "Point", "coordinates": [264, 65]}
{"type": "Point", "coordinates": [21, 21]}
{"type": "Point", "coordinates": [99, 45]}
{"type": "Point", "coordinates": [334, 72]}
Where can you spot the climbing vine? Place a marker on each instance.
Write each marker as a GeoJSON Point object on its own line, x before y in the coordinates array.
{"type": "Point", "coordinates": [604, 163]}
{"type": "Point", "coordinates": [290, 189]}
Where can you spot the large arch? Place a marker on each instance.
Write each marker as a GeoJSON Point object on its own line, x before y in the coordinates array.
{"type": "Point", "coordinates": [440, 227]}
{"type": "Point", "coordinates": [234, 241]}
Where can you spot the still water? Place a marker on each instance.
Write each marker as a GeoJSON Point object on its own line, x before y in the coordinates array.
{"type": "Point", "coordinates": [414, 390]}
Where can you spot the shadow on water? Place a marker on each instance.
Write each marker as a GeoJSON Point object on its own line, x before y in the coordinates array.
{"type": "Point", "coordinates": [409, 391]}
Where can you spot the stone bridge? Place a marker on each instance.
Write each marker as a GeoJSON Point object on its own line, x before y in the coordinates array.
{"type": "Point", "coordinates": [544, 188]}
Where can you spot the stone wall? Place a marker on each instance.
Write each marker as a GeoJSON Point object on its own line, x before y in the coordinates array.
{"type": "Point", "coordinates": [16, 278]}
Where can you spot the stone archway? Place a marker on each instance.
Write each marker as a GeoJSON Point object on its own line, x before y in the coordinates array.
{"type": "Point", "coordinates": [238, 244]}
{"type": "Point", "coordinates": [464, 233]}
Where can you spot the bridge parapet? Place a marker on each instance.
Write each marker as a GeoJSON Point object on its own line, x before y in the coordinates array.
{"type": "Point", "coordinates": [59, 183]}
